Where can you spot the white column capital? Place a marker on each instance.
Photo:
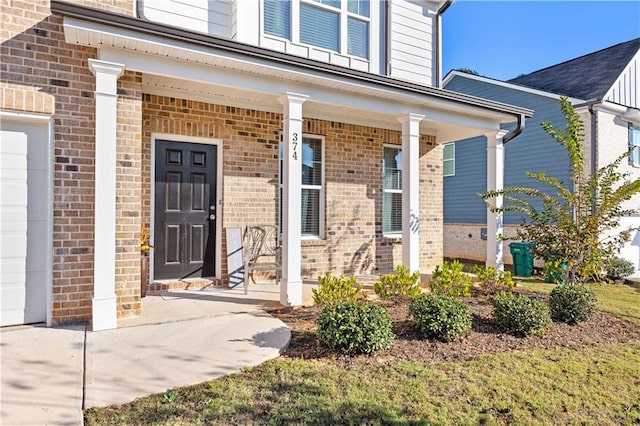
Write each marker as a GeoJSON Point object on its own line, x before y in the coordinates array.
{"type": "Point", "coordinates": [495, 135]}
{"type": "Point", "coordinates": [288, 98]}
{"type": "Point", "coordinates": [107, 74]}
{"type": "Point", "coordinates": [411, 118]}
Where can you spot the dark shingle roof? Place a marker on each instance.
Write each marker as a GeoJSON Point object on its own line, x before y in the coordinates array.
{"type": "Point", "coordinates": [586, 77]}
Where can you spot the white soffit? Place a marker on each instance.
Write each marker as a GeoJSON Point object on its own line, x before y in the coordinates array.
{"type": "Point", "coordinates": [195, 65]}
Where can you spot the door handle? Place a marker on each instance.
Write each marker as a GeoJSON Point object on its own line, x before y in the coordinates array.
{"type": "Point", "coordinates": [212, 216]}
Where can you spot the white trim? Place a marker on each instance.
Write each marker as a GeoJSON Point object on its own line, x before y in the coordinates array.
{"type": "Point", "coordinates": [219, 143]}
{"type": "Point", "coordinates": [450, 76]}
{"type": "Point", "coordinates": [451, 159]}
{"type": "Point", "coordinates": [42, 119]}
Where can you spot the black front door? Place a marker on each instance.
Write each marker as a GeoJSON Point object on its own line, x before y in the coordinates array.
{"type": "Point", "coordinates": [185, 210]}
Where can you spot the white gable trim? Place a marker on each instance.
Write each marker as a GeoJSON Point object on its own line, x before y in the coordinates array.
{"type": "Point", "coordinates": [487, 80]}
{"type": "Point", "coordinates": [626, 89]}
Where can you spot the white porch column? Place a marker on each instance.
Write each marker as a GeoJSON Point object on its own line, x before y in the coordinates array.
{"type": "Point", "coordinates": [495, 182]}
{"type": "Point", "coordinates": [410, 191]}
{"type": "Point", "coordinates": [104, 269]}
{"type": "Point", "coordinates": [291, 285]}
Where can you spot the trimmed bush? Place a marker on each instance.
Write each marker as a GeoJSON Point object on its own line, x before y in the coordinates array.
{"type": "Point", "coordinates": [336, 289]}
{"type": "Point", "coordinates": [520, 315]}
{"type": "Point", "coordinates": [619, 268]}
{"type": "Point", "coordinates": [399, 285]}
{"type": "Point", "coordinates": [572, 303]}
{"type": "Point", "coordinates": [450, 280]}
{"type": "Point", "coordinates": [441, 317]}
{"type": "Point", "coordinates": [493, 280]}
{"type": "Point", "coordinates": [355, 327]}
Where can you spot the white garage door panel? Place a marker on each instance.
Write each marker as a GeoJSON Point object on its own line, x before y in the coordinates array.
{"type": "Point", "coordinates": [24, 226]}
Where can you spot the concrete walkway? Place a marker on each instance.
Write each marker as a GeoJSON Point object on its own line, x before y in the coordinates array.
{"type": "Point", "coordinates": [50, 374]}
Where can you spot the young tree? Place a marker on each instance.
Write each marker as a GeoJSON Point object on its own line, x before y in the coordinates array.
{"type": "Point", "coordinates": [570, 226]}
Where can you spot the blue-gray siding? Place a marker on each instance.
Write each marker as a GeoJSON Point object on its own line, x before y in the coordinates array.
{"type": "Point", "coordinates": [532, 151]}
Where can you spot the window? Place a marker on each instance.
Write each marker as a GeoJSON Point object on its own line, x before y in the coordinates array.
{"type": "Point", "coordinates": [449, 160]}
{"type": "Point", "coordinates": [634, 145]}
{"type": "Point", "coordinates": [312, 194]}
{"type": "Point", "coordinates": [341, 26]}
{"type": "Point", "coordinates": [277, 18]}
{"type": "Point", "coordinates": [391, 190]}
{"type": "Point", "coordinates": [319, 27]}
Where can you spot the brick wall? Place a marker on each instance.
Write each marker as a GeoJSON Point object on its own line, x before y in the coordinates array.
{"type": "Point", "coordinates": [43, 74]}
{"type": "Point", "coordinates": [353, 181]}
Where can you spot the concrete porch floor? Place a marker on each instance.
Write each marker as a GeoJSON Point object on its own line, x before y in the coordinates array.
{"type": "Point", "coordinates": [188, 304]}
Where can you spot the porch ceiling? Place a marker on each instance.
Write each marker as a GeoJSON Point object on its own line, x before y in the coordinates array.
{"type": "Point", "coordinates": [179, 67]}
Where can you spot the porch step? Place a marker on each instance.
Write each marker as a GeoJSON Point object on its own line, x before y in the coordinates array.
{"type": "Point", "coordinates": [189, 284]}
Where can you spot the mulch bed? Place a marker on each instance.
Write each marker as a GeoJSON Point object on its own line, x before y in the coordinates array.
{"type": "Point", "coordinates": [486, 339]}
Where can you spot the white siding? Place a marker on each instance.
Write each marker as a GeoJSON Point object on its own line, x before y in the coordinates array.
{"type": "Point", "coordinates": [204, 16]}
{"type": "Point", "coordinates": [626, 90]}
{"type": "Point", "coordinates": [412, 49]}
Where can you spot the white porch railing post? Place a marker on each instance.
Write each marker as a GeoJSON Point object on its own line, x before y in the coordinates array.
{"type": "Point", "coordinates": [495, 182]}
{"type": "Point", "coordinates": [411, 191]}
{"type": "Point", "coordinates": [291, 285]}
{"type": "Point", "coordinates": [105, 313]}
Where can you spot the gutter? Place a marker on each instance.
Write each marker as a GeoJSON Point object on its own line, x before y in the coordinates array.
{"type": "Point", "coordinates": [166, 32]}
{"type": "Point", "coordinates": [514, 133]}
{"type": "Point", "coordinates": [439, 13]}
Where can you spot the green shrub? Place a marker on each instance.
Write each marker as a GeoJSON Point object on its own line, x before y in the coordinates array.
{"type": "Point", "coordinates": [450, 280]}
{"type": "Point", "coordinates": [355, 327]}
{"type": "Point", "coordinates": [336, 289]}
{"type": "Point", "coordinates": [520, 315]}
{"type": "Point", "coordinates": [441, 317]}
{"type": "Point", "coordinates": [572, 303]}
{"type": "Point", "coordinates": [399, 285]}
{"type": "Point", "coordinates": [492, 279]}
{"type": "Point", "coordinates": [619, 268]}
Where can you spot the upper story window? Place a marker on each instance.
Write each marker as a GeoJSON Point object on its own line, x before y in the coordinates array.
{"type": "Point", "coordinates": [277, 18]}
{"type": "Point", "coordinates": [634, 145]}
{"type": "Point", "coordinates": [392, 190]}
{"type": "Point", "coordinates": [449, 160]}
{"type": "Point", "coordinates": [341, 26]}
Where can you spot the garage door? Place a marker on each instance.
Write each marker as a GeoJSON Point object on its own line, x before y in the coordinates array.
{"type": "Point", "coordinates": [24, 230]}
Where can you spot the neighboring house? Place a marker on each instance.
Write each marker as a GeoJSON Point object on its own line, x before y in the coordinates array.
{"type": "Point", "coordinates": [120, 115]}
{"type": "Point", "coordinates": [604, 87]}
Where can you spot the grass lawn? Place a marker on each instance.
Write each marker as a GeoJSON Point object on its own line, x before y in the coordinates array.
{"type": "Point", "coordinates": [621, 299]}
{"type": "Point", "coordinates": [598, 384]}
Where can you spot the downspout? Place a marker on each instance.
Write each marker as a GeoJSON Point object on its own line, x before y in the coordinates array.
{"type": "Point", "coordinates": [439, 13]}
{"type": "Point", "coordinates": [594, 152]}
{"type": "Point", "coordinates": [515, 132]}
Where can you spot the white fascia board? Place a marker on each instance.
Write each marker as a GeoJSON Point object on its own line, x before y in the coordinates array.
{"type": "Point", "coordinates": [453, 74]}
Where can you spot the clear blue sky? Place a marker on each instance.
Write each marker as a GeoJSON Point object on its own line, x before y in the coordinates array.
{"type": "Point", "coordinates": [503, 39]}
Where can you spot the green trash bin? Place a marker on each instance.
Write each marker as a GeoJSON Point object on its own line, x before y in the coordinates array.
{"type": "Point", "coordinates": [522, 259]}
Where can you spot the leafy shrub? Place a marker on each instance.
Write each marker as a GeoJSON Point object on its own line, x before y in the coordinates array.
{"type": "Point", "coordinates": [441, 317]}
{"type": "Point", "coordinates": [336, 289]}
{"type": "Point", "coordinates": [399, 285]}
{"type": "Point", "coordinates": [620, 268]}
{"type": "Point", "coordinates": [572, 303]}
{"type": "Point", "coordinates": [492, 279]}
{"type": "Point", "coordinates": [520, 315]}
{"type": "Point", "coordinates": [450, 280]}
{"type": "Point", "coordinates": [355, 327]}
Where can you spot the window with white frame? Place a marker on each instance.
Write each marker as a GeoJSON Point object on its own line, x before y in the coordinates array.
{"type": "Point", "coordinates": [312, 194]}
{"type": "Point", "coordinates": [634, 145]}
{"type": "Point", "coordinates": [341, 26]}
{"type": "Point", "coordinates": [449, 160]}
{"type": "Point", "coordinates": [392, 190]}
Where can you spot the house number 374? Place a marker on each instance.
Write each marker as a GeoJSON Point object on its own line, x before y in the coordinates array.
{"type": "Point", "coordinates": [294, 145]}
